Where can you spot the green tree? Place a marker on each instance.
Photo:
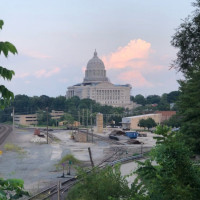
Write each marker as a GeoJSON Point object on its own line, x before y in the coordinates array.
{"type": "Point", "coordinates": [142, 123]}
{"type": "Point", "coordinates": [147, 123]}
{"type": "Point", "coordinates": [174, 121]}
{"type": "Point", "coordinates": [10, 188]}
{"type": "Point", "coordinates": [139, 99]}
{"type": "Point", "coordinates": [189, 109]}
{"type": "Point", "coordinates": [187, 40]}
{"type": "Point", "coordinates": [150, 123]}
{"type": "Point", "coordinates": [173, 96]}
{"type": "Point", "coordinates": [151, 99]}
{"type": "Point", "coordinates": [105, 184]}
{"type": "Point", "coordinates": [169, 173]}
{"type": "Point", "coordinates": [5, 48]}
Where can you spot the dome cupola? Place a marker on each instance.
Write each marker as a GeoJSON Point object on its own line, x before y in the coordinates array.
{"type": "Point", "coordinates": [95, 71]}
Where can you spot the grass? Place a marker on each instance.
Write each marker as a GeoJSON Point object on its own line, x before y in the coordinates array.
{"type": "Point", "coordinates": [14, 148]}
{"type": "Point", "coordinates": [65, 159]}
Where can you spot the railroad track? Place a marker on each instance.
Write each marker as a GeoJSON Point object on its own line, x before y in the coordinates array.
{"type": "Point", "coordinates": [52, 192]}
{"type": "Point", "coordinates": [101, 137]}
{"type": "Point", "coordinates": [4, 132]}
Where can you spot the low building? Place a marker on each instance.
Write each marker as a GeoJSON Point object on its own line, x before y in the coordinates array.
{"type": "Point", "coordinates": [132, 122]}
{"type": "Point", "coordinates": [166, 114]}
{"type": "Point", "coordinates": [56, 114]}
{"type": "Point", "coordinates": [26, 120]}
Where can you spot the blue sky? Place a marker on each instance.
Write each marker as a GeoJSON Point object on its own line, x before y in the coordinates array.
{"type": "Point", "coordinates": [55, 40]}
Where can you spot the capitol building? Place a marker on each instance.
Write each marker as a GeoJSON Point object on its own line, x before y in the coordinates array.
{"type": "Point", "coordinates": [96, 86]}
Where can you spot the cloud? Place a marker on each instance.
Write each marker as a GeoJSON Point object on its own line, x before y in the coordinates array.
{"type": "Point", "coordinates": [135, 78]}
{"type": "Point", "coordinates": [132, 63]}
{"type": "Point", "coordinates": [134, 51]}
{"type": "Point", "coordinates": [45, 73]}
{"type": "Point", "coordinates": [22, 75]}
{"type": "Point", "coordinates": [63, 80]}
{"type": "Point", "coordinates": [34, 54]}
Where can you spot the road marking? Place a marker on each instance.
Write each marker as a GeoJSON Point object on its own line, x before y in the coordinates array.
{"type": "Point", "coordinates": [56, 152]}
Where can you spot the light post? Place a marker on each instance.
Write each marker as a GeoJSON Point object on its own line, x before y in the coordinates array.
{"type": "Point", "coordinates": [47, 125]}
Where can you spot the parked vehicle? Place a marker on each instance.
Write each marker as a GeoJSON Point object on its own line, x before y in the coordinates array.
{"type": "Point", "coordinates": [132, 134]}
{"type": "Point", "coordinates": [113, 137]}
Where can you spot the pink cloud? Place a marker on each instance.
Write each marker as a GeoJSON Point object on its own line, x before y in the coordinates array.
{"type": "Point", "coordinates": [22, 75]}
{"type": "Point", "coordinates": [135, 59]}
{"type": "Point", "coordinates": [126, 56]}
{"type": "Point", "coordinates": [52, 72]}
{"type": "Point", "coordinates": [135, 78]}
{"type": "Point", "coordinates": [40, 73]}
{"type": "Point", "coordinates": [45, 73]}
{"type": "Point", "coordinates": [35, 54]}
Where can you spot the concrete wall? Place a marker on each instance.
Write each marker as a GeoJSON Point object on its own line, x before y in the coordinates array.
{"type": "Point", "coordinates": [99, 120]}
{"type": "Point", "coordinates": [132, 122]}
{"type": "Point", "coordinates": [26, 120]}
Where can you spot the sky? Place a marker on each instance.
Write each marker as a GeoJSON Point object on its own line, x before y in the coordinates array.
{"type": "Point", "coordinates": [56, 38]}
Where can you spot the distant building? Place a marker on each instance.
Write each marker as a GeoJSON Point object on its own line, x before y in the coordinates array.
{"type": "Point", "coordinates": [132, 122]}
{"type": "Point", "coordinates": [56, 114]}
{"type": "Point", "coordinates": [96, 86]}
{"type": "Point", "coordinates": [166, 114]}
{"type": "Point", "coordinates": [26, 120]}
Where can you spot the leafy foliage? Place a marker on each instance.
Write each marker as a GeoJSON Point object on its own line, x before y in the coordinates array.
{"type": "Point", "coordinates": [5, 94]}
{"type": "Point", "coordinates": [107, 183]}
{"type": "Point", "coordinates": [187, 40]}
{"type": "Point", "coordinates": [147, 123]}
{"type": "Point", "coordinates": [11, 189]}
{"type": "Point", "coordinates": [170, 173]}
{"type": "Point", "coordinates": [189, 109]}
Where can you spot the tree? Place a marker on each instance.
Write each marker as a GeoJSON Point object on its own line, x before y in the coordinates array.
{"type": "Point", "coordinates": [174, 121]}
{"type": "Point", "coordinates": [173, 96]}
{"type": "Point", "coordinates": [187, 40]}
{"type": "Point", "coordinates": [189, 109]}
{"type": "Point", "coordinates": [103, 184]}
{"type": "Point", "coordinates": [150, 123]}
{"type": "Point", "coordinates": [147, 123]}
{"type": "Point", "coordinates": [5, 48]}
{"type": "Point", "coordinates": [164, 105]}
{"type": "Point", "coordinates": [10, 188]}
{"type": "Point", "coordinates": [139, 99]}
{"type": "Point", "coordinates": [151, 99]}
{"type": "Point", "coordinates": [142, 123]}
{"type": "Point", "coordinates": [174, 176]}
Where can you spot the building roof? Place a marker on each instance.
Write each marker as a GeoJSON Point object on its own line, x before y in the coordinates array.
{"type": "Point", "coordinates": [95, 62]}
{"type": "Point", "coordinates": [147, 115]}
{"type": "Point", "coordinates": [166, 113]}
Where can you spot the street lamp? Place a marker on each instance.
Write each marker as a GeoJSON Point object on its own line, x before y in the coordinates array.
{"type": "Point", "coordinates": [47, 125]}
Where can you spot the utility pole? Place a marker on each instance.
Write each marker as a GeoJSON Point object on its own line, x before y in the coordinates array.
{"type": "Point", "coordinates": [90, 154]}
{"type": "Point", "coordinates": [91, 116]}
{"type": "Point", "coordinates": [13, 118]}
{"type": "Point", "coordinates": [87, 118]}
{"type": "Point", "coordinates": [47, 125]}
{"type": "Point", "coordinates": [79, 120]}
{"type": "Point", "coordinates": [83, 118]}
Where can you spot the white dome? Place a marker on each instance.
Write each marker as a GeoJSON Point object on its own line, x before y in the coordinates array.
{"type": "Point", "coordinates": [95, 71]}
{"type": "Point", "coordinates": [95, 62]}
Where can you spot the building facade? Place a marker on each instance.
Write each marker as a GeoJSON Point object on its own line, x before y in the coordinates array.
{"type": "Point", "coordinates": [26, 120]}
{"type": "Point", "coordinates": [96, 86]}
{"type": "Point", "coordinates": [132, 122]}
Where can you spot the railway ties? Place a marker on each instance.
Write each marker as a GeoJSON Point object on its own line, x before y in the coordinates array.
{"type": "Point", "coordinates": [4, 132]}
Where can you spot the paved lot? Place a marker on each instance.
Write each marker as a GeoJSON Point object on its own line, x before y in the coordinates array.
{"type": "Point", "coordinates": [37, 166]}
